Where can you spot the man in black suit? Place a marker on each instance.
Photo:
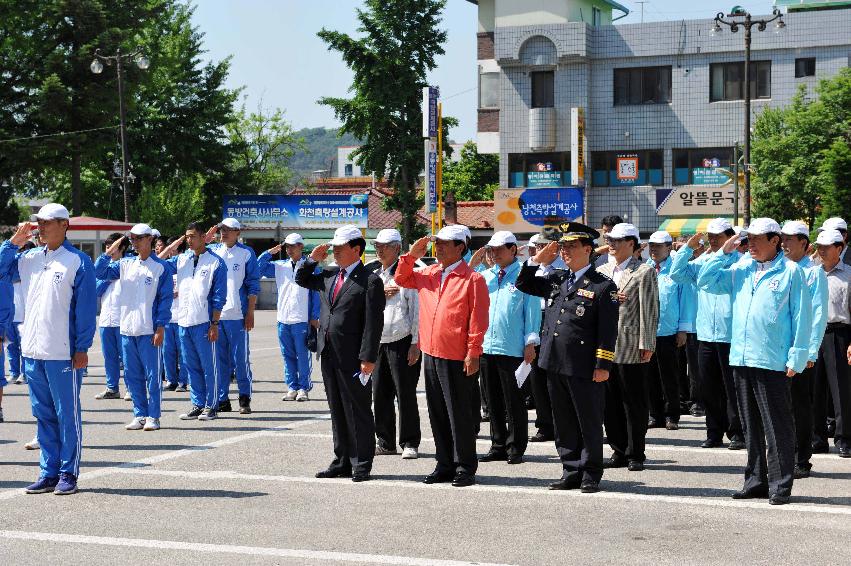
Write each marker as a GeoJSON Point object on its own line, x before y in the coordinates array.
{"type": "Point", "coordinates": [577, 350]}
{"type": "Point", "coordinates": [349, 333]}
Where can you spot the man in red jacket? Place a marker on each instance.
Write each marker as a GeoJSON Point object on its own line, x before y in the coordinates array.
{"type": "Point", "coordinates": [453, 320]}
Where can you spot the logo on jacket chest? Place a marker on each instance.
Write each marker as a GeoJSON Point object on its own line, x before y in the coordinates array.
{"type": "Point", "coordinates": [58, 276]}
{"type": "Point", "coordinates": [235, 267]}
{"type": "Point", "coordinates": [774, 284]}
{"type": "Point", "coordinates": [149, 280]}
{"type": "Point", "coordinates": [203, 272]}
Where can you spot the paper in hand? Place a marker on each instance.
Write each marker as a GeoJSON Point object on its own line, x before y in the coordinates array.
{"type": "Point", "coordinates": [522, 372]}
{"type": "Point", "coordinates": [363, 377]}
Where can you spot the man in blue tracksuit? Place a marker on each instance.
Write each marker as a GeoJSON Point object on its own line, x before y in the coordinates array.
{"type": "Point", "coordinates": [772, 322]}
{"type": "Point", "coordinates": [796, 240]}
{"type": "Point", "coordinates": [145, 303]}
{"type": "Point", "coordinates": [513, 332]}
{"type": "Point", "coordinates": [7, 307]}
{"type": "Point", "coordinates": [714, 316]}
{"type": "Point", "coordinates": [110, 321]}
{"type": "Point", "coordinates": [243, 286]}
{"type": "Point", "coordinates": [674, 325]}
{"type": "Point", "coordinates": [173, 368]}
{"type": "Point", "coordinates": [61, 306]}
{"type": "Point", "coordinates": [298, 307]}
{"type": "Point", "coordinates": [202, 287]}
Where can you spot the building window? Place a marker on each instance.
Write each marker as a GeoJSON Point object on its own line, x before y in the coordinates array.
{"type": "Point", "coordinates": [488, 90]}
{"type": "Point", "coordinates": [543, 89]}
{"type": "Point", "coordinates": [700, 166]}
{"type": "Point", "coordinates": [538, 170]}
{"type": "Point", "coordinates": [627, 168]}
{"type": "Point", "coordinates": [349, 170]}
{"type": "Point", "coordinates": [596, 17]}
{"type": "Point", "coordinates": [727, 81]}
{"type": "Point", "coordinates": [643, 85]}
{"type": "Point", "coordinates": [805, 67]}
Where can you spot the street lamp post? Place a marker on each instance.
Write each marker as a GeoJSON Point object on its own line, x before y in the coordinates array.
{"type": "Point", "coordinates": [97, 68]}
{"type": "Point", "coordinates": [748, 23]}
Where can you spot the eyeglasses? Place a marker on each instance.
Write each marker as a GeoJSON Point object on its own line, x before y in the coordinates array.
{"type": "Point", "coordinates": [614, 240]}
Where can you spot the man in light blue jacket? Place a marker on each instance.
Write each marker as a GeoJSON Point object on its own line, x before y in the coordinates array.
{"type": "Point", "coordinates": [514, 323]}
{"type": "Point", "coordinates": [714, 316]}
{"type": "Point", "coordinates": [772, 322]}
{"type": "Point", "coordinates": [796, 241]}
{"type": "Point", "coordinates": [674, 325]}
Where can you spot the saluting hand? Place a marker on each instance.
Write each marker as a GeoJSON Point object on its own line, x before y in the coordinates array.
{"type": "Point", "coordinates": [211, 234]}
{"type": "Point", "coordinates": [319, 253]}
{"type": "Point", "coordinates": [694, 241]}
{"type": "Point", "coordinates": [22, 234]}
{"type": "Point", "coordinates": [114, 247]}
{"type": "Point", "coordinates": [419, 248]}
{"type": "Point", "coordinates": [547, 255]}
{"type": "Point", "coordinates": [276, 250]}
{"type": "Point", "coordinates": [731, 244]}
{"type": "Point", "coordinates": [478, 257]}
{"type": "Point", "coordinates": [170, 249]}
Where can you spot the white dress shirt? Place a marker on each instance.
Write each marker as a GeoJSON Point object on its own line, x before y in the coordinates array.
{"type": "Point", "coordinates": [401, 312]}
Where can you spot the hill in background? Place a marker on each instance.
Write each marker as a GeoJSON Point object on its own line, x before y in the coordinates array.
{"type": "Point", "coordinates": [320, 150]}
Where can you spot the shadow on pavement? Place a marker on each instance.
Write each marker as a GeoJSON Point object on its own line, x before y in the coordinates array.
{"type": "Point", "coordinates": [151, 492]}
{"type": "Point", "coordinates": [134, 447]}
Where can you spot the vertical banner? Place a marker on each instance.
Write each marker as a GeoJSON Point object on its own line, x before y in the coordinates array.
{"type": "Point", "coordinates": [430, 176]}
{"type": "Point", "coordinates": [430, 96]}
{"type": "Point", "coordinates": [577, 147]}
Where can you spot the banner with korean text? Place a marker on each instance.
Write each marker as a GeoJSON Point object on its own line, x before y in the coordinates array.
{"type": "Point", "coordinates": [298, 211]}
{"type": "Point", "coordinates": [530, 210]}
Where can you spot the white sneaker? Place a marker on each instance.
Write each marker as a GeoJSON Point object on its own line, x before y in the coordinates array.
{"type": "Point", "coordinates": [137, 423]}
{"type": "Point", "coordinates": [33, 445]}
{"type": "Point", "coordinates": [290, 395]}
{"type": "Point", "coordinates": [21, 379]}
{"type": "Point", "coordinates": [127, 397]}
{"type": "Point", "coordinates": [410, 453]}
{"type": "Point", "coordinates": [302, 395]}
{"type": "Point", "coordinates": [152, 424]}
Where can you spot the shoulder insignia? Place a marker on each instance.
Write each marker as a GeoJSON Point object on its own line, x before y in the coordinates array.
{"type": "Point", "coordinates": [614, 296]}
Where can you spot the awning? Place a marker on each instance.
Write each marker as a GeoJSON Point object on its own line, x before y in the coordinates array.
{"type": "Point", "coordinates": [685, 226]}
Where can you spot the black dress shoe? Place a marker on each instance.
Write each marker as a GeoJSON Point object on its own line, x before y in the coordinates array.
{"type": "Point", "coordinates": [170, 387]}
{"type": "Point", "coordinates": [712, 443]}
{"type": "Point", "coordinates": [831, 429]}
{"type": "Point", "coordinates": [565, 484]}
{"type": "Point", "coordinates": [589, 486]}
{"type": "Point", "coordinates": [541, 437]}
{"type": "Point", "coordinates": [845, 452]}
{"type": "Point", "coordinates": [820, 448]}
{"type": "Point", "coordinates": [463, 480]}
{"type": "Point", "coordinates": [697, 411]}
{"type": "Point", "coordinates": [486, 418]}
{"type": "Point", "coordinates": [751, 494]}
{"type": "Point", "coordinates": [635, 466]}
{"type": "Point", "coordinates": [801, 472]}
{"type": "Point", "coordinates": [671, 424]}
{"type": "Point", "coordinates": [361, 476]}
{"type": "Point", "coordinates": [333, 473]}
{"type": "Point", "coordinates": [653, 423]}
{"type": "Point", "coordinates": [616, 462]}
{"type": "Point", "coordinates": [737, 444]}
{"type": "Point", "coordinates": [437, 477]}
{"type": "Point", "coordinates": [516, 459]}
{"type": "Point", "coordinates": [778, 499]}
{"type": "Point", "coordinates": [225, 406]}
{"type": "Point", "coordinates": [493, 456]}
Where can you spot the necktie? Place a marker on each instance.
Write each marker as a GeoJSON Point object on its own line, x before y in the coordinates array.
{"type": "Point", "coordinates": [499, 277]}
{"type": "Point", "coordinates": [571, 279]}
{"type": "Point", "coordinates": [338, 285]}
{"type": "Point", "coordinates": [658, 268]}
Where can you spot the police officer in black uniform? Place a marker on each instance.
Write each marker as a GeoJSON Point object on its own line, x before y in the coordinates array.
{"type": "Point", "coordinates": [577, 350]}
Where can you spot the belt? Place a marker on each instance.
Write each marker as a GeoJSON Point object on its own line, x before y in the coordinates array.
{"type": "Point", "coordinates": [833, 326]}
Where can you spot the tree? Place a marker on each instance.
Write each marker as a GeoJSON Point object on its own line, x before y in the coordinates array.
{"type": "Point", "coordinates": [474, 177]}
{"type": "Point", "coordinates": [399, 44]}
{"type": "Point", "coordinates": [263, 145]}
{"type": "Point", "coordinates": [800, 154]}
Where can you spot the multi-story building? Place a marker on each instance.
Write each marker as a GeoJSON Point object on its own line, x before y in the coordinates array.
{"type": "Point", "coordinates": [662, 101]}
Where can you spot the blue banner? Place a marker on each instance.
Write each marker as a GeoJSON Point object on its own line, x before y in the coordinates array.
{"type": "Point", "coordinates": [541, 207]}
{"type": "Point", "coordinates": [298, 211]}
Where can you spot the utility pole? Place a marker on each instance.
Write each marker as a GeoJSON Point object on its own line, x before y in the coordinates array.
{"type": "Point", "coordinates": [642, 9]}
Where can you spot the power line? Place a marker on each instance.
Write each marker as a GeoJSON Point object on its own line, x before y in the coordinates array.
{"type": "Point", "coordinates": [60, 134]}
{"type": "Point", "coordinates": [460, 93]}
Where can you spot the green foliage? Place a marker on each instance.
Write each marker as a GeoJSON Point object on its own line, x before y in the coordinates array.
{"type": "Point", "coordinates": [319, 150]}
{"type": "Point", "coordinates": [474, 177]}
{"type": "Point", "coordinates": [801, 155]}
{"type": "Point", "coordinates": [391, 58]}
{"type": "Point", "coordinates": [170, 206]}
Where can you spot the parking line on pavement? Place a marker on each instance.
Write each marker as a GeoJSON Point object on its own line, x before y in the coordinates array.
{"type": "Point", "coordinates": [490, 489]}
{"type": "Point", "coordinates": [233, 549]}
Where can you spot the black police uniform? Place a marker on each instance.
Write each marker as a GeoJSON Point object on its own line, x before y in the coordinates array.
{"type": "Point", "coordinates": [578, 336]}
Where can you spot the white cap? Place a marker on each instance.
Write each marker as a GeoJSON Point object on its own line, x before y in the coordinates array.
{"type": "Point", "coordinates": [623, 230]}
{"type": "Point", "coordinates": [231, 223]}
{"type": "Point", "coordinates": [155, 233]}
{"type": "Point", "coordinates": [388, 236]}
{"type": "Point", "coordinates": [737, 230]}
{"type": "Point", "coordinates": [501, 238]}
{"type": "Point", "coordinates": [718, 226]}
{"type": "Point", "coordinates": [453, 232]}
{"type": "Point", "coordinates": [141, 230]}
{"type": "Point", "coordinates": [293, 239]}
{"type": "Point", "coordinates": [829, 237]}
{"type": "Point", "coordinates": [467, 234]}
{"type": "Point", "coordinates": [660, 237]}
{"type": "Point", "coordinates": [538, 239]}
{"type": "Point", "coordinates": [762, 226]}
{"type": "Point", "coordinates": [834, 223]}
{"type": "Point", "coordinates": [795, 228]}
{"type": "Point", "coordinates": [345, 234]}
{"type": "Point", "coordinates": [52, 211]}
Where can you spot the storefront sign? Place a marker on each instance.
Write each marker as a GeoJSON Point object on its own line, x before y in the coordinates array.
{"type": "Point", "coordinates": [304, 211]}
{"type": "Point", "coordinates": [530, 210]}
{"type": "Point", "coordinates": [695, 201]}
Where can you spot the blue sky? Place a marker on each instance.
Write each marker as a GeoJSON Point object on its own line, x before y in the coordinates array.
{"type": "Point", "coordinates": [279, 60]}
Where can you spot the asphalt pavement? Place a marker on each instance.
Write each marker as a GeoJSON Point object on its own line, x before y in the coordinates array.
{"type": "Point", "coordinates": [241, 489]}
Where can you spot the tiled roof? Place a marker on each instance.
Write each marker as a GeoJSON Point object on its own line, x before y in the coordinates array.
{"type": "Point", "coordinates": [93, 223]}
{"type": "Point", "coordinates": [476, 214]}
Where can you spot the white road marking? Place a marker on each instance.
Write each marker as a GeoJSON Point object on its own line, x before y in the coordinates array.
{"type": "Point", "coordinates": [491, 489]}
{"type": "Point", "coordinates": [233, 549]}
